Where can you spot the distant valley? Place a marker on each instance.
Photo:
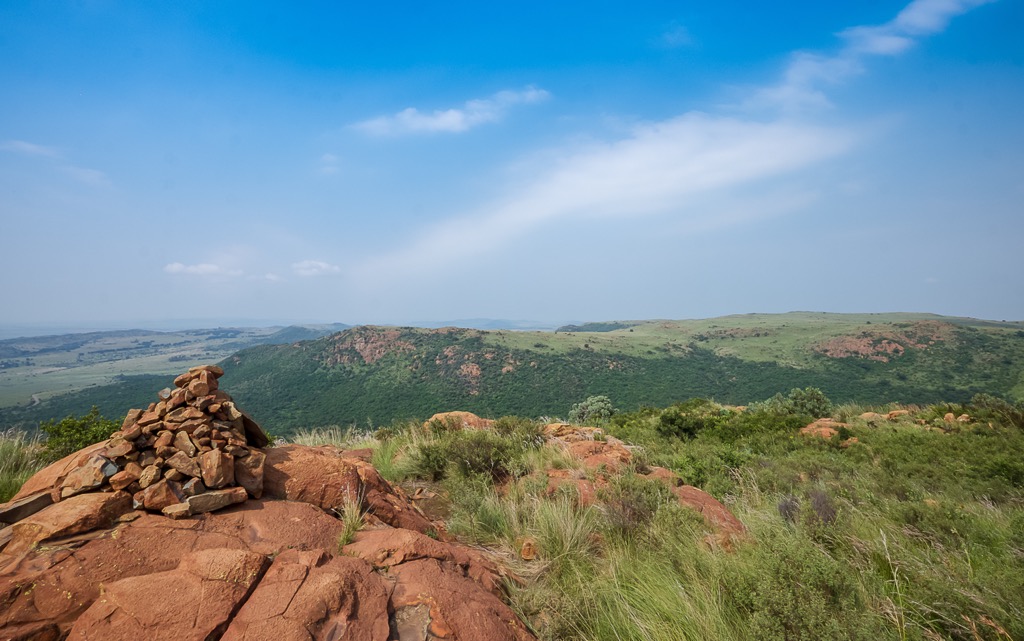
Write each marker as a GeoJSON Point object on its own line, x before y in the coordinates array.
{"type": "Point", "coordinates": [312, 376]}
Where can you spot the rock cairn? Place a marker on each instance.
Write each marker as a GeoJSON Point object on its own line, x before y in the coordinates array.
{"type": "Point", "coordinates": [192, 451]}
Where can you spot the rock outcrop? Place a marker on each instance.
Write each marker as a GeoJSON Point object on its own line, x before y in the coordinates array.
{"type": "Point", "coordinates": [257, 557]}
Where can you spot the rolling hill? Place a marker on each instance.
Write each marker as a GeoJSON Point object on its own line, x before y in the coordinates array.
{"type": "Point", "coordinates": [373, 375]}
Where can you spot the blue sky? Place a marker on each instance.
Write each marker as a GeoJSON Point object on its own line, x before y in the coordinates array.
{"type": "Point", "coordinates": [167, 163]}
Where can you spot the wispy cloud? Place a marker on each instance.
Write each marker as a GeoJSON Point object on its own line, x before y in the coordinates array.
{"type": "Point", "coordinates": [674, 165]}
{"type": "Point", "coordinates": [83, 175]}
{"type": "Point", "coordinates": [472, 114]}
{"type": "Point", "coordinates": [660, 168]}
{"type": "Point", "coordinates": [803, 82]}
{"type": "Point", "coordinates": [201, 269]}
{"type": "Point", "coordinates": [314, 268]}
{"type": "Point", "coordinates": [29, 149]}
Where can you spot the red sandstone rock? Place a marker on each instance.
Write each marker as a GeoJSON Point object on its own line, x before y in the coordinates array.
{"type": "Point", "coordinates": [249, 472]}
{"type": "Point", "coordinates": [218, 468]}
{"type": "Point", "coordinates": [215, 500]}
{"type": "Point", "coordinates": [50, 477]}
{"type": "Point", "coordinates": [71, 516]}
{"type": "Point", "coordinates": [161, 494]}
{"type": "Point", "coordinates": [459, 420]}
{"type": "Point", "coordinates": [92, 474]}
{"type": "Point", "coordinates": [825, 428]}
{"type": "Point", "coordinates": [310, 595]}
{"type": "Point", "coordinates": [715, 514]}
{"type": "Point", "coordinates": [596, 455]}
{"type": "Point", "coordinates": [194, 601]}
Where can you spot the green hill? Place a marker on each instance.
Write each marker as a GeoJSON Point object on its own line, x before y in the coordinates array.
{"type": "Point", "coordinates": [378, 374]}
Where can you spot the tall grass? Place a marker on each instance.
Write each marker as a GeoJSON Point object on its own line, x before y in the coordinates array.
{"type": "Point", "coordinates": [21, 456]}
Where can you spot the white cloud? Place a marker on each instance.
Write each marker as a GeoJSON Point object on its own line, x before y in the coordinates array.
{"type": "Point", "coordinates": [314, 268]}
{"type": "Point", "coordinates": [201, 269]}
{"type": "Point", "coordinates": [800, 88]}
{"type": "Point", "coordinates": [662, 167]}
{"type": "Point", "coordinates": [30, 149]}
{"type": "Point", "coordinates": [456, 120]}
{"type": "Point", "coordinates": [674, 166]}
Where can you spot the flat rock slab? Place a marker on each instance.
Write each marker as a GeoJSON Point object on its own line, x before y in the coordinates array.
{"type": "Point", "coordinates": [74, 515]}
{"type": "Point", "coordinates": [310, 595]}
{"type": "Point", "coordinates": [193, 602]}
{"type": "Point", "coordinates": [14, 511]}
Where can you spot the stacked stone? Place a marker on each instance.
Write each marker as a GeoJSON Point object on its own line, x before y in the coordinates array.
{"type": "Point", "coordinates": [192, 451]}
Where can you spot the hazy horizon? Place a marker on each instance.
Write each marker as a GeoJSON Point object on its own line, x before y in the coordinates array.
{"type": "Point", "coordinates": [172, 162]}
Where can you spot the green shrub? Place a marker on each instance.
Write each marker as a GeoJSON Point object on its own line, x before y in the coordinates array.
{"type": "Point", "coordinates": [595, 409]}
{"type": "Point", "coordinates": [484, 452]}
{"type": "Point", "coordinates": [631, 501]}
{"type": "Point", "coordinates": [685, 420]}
{"type": "Point", "coordinates": [75, 432]}
{"type": "Point", "coordinates": [429, 461]}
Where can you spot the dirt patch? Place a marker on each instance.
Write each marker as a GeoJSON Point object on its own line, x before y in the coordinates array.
{"type": "Point", "coordinates": [368, 344]}
{"type": "Point", "coordinates": [883, 345]}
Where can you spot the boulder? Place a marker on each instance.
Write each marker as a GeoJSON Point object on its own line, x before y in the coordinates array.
{"type": "Point", "coordinates": [824, 428]}
{"type": "Point", "coordinates": [50, 477]}
{"type": "Point", "coordinates": [609, 455]}
{"type": "Point", "coordinates": [459, 420]}
{"type": "Point", "coordinates": [215, 500]}
{"type": "Point", "coordinates": [726, 525]}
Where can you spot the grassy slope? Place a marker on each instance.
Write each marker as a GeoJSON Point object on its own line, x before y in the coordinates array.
{"type": "Point", "coordinates": [908, 534]}
{"type": "Point", "coordinates": [380, 374]}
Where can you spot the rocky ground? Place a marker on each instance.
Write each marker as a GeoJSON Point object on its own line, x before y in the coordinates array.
{"type": "Point", "coordinates": [186, 525]}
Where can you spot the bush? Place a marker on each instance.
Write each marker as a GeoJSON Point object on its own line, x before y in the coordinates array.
{"type": "Point", "coordinates": [430, 461]}
{"type": "Point", "coordinates": [482, 452]}
{"type": "Point", "coordinates": [685, 420]}
{"type": "Point", "coordinates": [594, 409]}
{"type": "Point", "coordinates": [75, 432]}
{"type": "Point", "coordinates": [809, 401]}
{"type": "Point", "coordinates": [631, 502]}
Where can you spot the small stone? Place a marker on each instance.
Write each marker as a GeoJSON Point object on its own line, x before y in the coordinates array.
{"type": "Point", "coordinates": [148, 418]}
{"type": "Point", "coordinates": [182, 414]}
{"type": "Point", "coordinates": [164, 394]}
{"type": "Point", "coordinates": [249, 473]}
{"type": "Point", "coordinates": [147, 458]}
{"type": "Point", "coordinates": [131, 418]}
{"type": "Point", "coordinates": [165, 438]}
{"type": "Point", "coordinates": [174, 475]}
{"type": "Point", "coordinates": [184, 464]}
{"type": "Point", "coordinates": [183, 380]}
{"type": "Point", "coordinates": [190, 426]}
{"type": "Point", "coordinates": [237, 451]}
{"type": "Point", "coordinates": [193, 487]}
{"type": "Point", "coordinates": [218, 469]}
{"type": "Point", "coordinates": [177, 511]}
{"type": "Point", "coordinates": [153, 428]}
{"type": "Point", "coordinates": [166, 451]}
{"type": "Point", "coordinates": [121, 480]}
{"type": "Point", "coordinates": [209, 378]}
{"type": "Point", "coordinates": [216, 499]}
{"type": "Point", "coordinates": [213, 369]}
{"type": "Point", "coordinates": [177, 399]}
{"type": "Point", "coordinates": [132, 432]}
{"type": "Point", "coordinates": [202, 431]}
{"type": "Point", "coordinates": [134, 469]}
{"type": "Point", "coordinates": [213, 408]}
{"type": "Point", "coordinates": [184, 444]}
{"type": "Point", "coordinates": [89, 476]}
{"type": "Point", "coordinates": [229, 410]}
{"type": "Point", "coordinates": [161, 494]}
{"type": "Point", "coordinates": [198, 387]}
{"type": "Point", "coordinates": [118, 447]}
{"type": "Point", "coordinates": [149, 476]}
